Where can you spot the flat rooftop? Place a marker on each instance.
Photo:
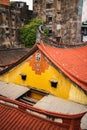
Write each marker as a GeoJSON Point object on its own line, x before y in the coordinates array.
{"type": "Point", "coordinates": [12, 91]}
{"type": "Point", "coordinates": [55, 104]}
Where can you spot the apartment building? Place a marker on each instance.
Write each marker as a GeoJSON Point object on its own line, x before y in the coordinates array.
{"type": "Point", "coordinates": [12, 17]}
{"type": "Point", "coordinates": [62, 17]}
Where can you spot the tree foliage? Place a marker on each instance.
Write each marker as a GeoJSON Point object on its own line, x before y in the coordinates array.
{"type": "Point", "coordinates": [46, 31]}
{"type": "Point", "coordinates": [28, 32]}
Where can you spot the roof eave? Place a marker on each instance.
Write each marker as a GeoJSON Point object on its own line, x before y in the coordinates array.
{"type": "Point", "coordinates": [31, 51]}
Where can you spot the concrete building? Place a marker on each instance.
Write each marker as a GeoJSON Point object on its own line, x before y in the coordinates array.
{"type": "Point", "coordinates": [62, 17]}
{"type": "Point", "coordinates": [12, 17]}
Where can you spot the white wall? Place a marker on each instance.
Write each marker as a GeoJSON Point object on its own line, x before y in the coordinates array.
{"type": "Point", "coordinates": [84, 14]}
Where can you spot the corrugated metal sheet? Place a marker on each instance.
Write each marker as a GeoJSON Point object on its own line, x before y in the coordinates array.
{"type": "Point", "coordinates": [12, 91]}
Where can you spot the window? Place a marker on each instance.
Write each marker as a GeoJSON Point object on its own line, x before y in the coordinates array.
{"type": "Point", "coordinates": [7, 29]}
{"type": "Point", "coordinates": [3, 13]}
{"type": "Point", "coordinates": [59, 12]}
{"type": "Point", "coordinates": [58, 39]}
{"type": "Point", "coordinates": [13, 14]}
{"type": "Point", "coordinates": [23, 76]}
{"type": "Point", "coordinates": [6, 18]}
{"type": "Point", "coordinates": [12, 35]}
{"type": "Point", "coordinates": [18, 5]}
{"type": "Point", "coordinates": [13, 19]}
{"type": "Point", "coordinates": [50, 19]}
{"type": "Point", "coordinates": [35, 1]}
{"type": "Point", "coordinates": [49, 6]}
{"type": "Point", "coordinates": [85, 31]}
{"type": "Point", "coordinates": [50, 32]}
{"type": "Point", "coordinates": [53, 83]}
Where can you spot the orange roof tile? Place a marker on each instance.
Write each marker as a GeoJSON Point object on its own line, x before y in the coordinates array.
{"type": "Point", "coordinates": [15, 115]}
{"type": "Point", "coordinates": [72, 62]}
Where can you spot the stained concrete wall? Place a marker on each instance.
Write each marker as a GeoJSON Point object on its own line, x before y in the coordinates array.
{"type": "Point", "coordinates": [12, 18]}
{"type": "Point", "coordinates": [62, 17]}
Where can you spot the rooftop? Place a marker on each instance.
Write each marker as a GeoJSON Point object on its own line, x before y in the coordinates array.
{"type": "Point", "coordinates": [12, 91]}
{"type": "Point", "coordinates": [16, 115]}
{"type": "Point", "coordinates": [72, 62]}
{"type": "Point", "coordinates": [10, 56]}
{"type": "Point", "coordinates": [62, 106]}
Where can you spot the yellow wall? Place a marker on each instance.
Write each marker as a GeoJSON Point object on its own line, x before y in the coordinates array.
{"type": "Point", "coordinates": [77, 95]}
{"type": "Point", "coordinates": [65, 88]}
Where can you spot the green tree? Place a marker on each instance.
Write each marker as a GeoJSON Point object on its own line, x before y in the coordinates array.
{"type": "Point", "coordinates": [46, 31]}
{"type": "Point", "coordinates": [28, 32]}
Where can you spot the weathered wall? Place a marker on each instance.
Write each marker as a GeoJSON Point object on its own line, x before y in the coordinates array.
{"type": "Point", "coordinates": [71, 14]}
{"type": "Point", "coordinates": [62, 17]}
{"type": "Point", "coordinates": [39, 9]}
{"type": "Point", "coordinates": [12, 18]}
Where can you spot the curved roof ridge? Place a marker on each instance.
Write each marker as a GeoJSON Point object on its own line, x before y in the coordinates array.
{"type": "Point", "coordinates": [79, 79]}
{"type": "Point", "coordinates": [26, 116]}
{"type": "Point", "coordinates": [23, 106]}
{"type": "Point", "coordinates": [13, 64]}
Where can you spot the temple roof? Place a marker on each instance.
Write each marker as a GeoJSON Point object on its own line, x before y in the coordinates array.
{"type": "Point", "coordinates": [17, 115]}
{"type": "Point", "coordinates": [72, 62]}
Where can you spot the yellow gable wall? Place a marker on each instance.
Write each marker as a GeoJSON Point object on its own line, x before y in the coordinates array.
{"type": "Point", "coordinates": [65, 89]}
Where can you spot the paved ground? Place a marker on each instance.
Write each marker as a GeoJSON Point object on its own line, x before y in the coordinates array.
{"type": "Point", "coordinates": [55, 104]}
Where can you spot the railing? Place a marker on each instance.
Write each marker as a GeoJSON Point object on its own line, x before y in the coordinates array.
{"type": "Point", "coordinates": [60, 45]}
{"type": "Point", "coordinates": [63, 121]}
